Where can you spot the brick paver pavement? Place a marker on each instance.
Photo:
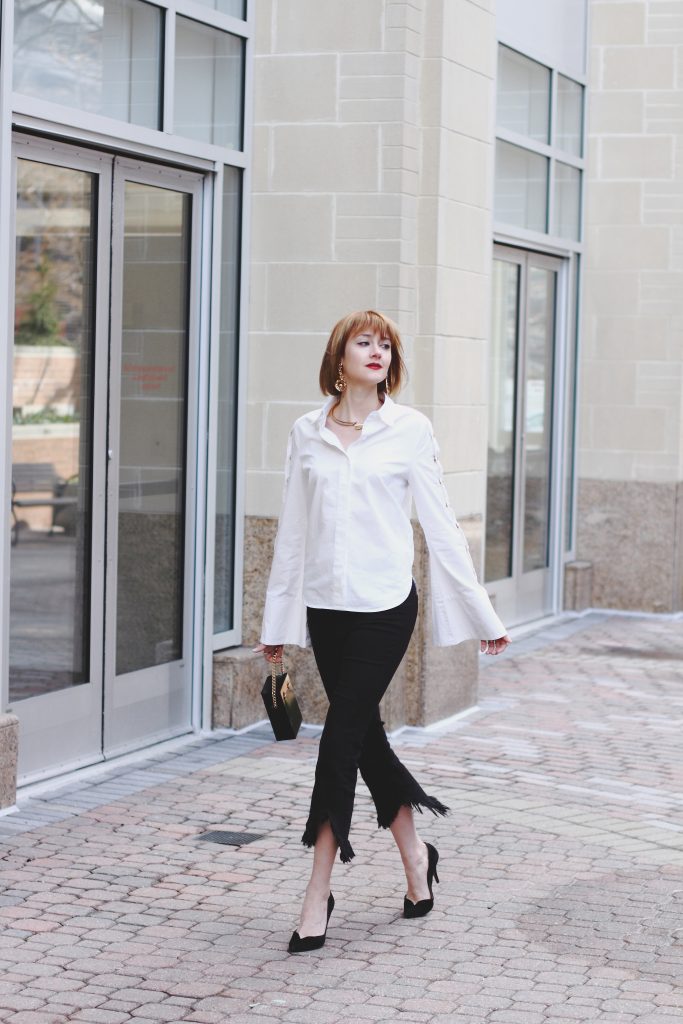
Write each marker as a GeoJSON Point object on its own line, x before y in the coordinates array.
{"type": "Point", "coordinates": [561, 892]}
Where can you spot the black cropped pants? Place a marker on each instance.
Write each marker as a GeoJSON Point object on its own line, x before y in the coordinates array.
{"type": "Point", "coordinates": [357, 654]}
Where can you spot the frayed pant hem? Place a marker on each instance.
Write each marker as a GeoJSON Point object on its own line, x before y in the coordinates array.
{"type": "Point", "coordinates": [310, 837]}
{"type": "Point", "coordinates": [385, 820]}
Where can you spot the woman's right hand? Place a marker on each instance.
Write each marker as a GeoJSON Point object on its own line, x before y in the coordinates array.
{"type": "Point", "coordinates": [272, 653]}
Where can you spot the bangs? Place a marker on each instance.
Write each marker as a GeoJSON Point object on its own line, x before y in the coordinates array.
{"type": "Point", "coordinates": [369, 319]}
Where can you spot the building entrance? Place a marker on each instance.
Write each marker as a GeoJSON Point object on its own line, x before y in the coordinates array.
{"type": "Point", "coordinates": [523, 481]}
{"type": "Point", "coordinates": [104, 434]}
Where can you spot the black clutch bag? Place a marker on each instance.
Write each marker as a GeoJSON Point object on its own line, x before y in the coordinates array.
{"type": "Point", "coordinates": [281, 704]}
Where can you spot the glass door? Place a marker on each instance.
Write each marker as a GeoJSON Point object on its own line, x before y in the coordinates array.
{"type": "Point", "coordinates": [150, 530]}
{"type": "Point", "coordinates": [521, 498]}
{"type": "Point", "coordinates": [61, 267]}
{"type": "Point", "coordinates": [103, 454]}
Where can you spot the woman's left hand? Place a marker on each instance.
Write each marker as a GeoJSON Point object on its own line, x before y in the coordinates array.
{"type": "Point", "coordinates": [495, 646]}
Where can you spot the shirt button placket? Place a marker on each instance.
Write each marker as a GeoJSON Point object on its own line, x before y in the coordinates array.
{"type": "Point", "coordinates": [341, 533]}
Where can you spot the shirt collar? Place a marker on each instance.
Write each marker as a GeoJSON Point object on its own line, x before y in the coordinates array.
{"type": "Point", "coordinates": [387, 412]}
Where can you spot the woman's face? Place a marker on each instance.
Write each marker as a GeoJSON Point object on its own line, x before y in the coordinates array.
{"type": "Point", "coordinates": [367, 358]}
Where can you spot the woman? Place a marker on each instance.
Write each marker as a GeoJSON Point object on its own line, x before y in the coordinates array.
{"type": "Point", "coordinates": [341, 577]}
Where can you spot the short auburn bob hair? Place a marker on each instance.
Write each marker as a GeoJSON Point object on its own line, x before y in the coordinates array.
{"type": "Point", "coordinates": [349, 327]}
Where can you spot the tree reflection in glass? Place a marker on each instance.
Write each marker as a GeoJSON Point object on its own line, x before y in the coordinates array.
{"type": "Point", "coordinates": [51, 433]}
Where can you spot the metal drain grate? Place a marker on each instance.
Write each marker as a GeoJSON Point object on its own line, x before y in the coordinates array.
{"type": "Point", "coordinates": [231, 838]}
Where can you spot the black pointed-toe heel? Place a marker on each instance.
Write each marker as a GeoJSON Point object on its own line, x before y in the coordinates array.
{"type": "Point", "coordinates": [309, 942]}
{"type": "Point", "coordinates": [423, 907]}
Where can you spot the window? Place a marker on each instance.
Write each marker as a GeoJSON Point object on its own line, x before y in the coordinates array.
{"type": "Point", "coordinates": [235, 8]}
{"type": "Point", "coordinates": [521, 186]}
{"type": "Point", "coordinates": [568, 134]}
{"type": "Point", "coordinates": [107, 57]}
{"type": "Point", "coordinates": [224, 548]}
{"type": "Point", "coordinates": [100, 57]}
{"type": "Point", "coordinates": [567, 201]}
{"type": "Point", "coordinates": [523, 104]}
{"type": "Point", "coordinates": [208, 84]}
{"type": "Point", "coordinates": [539, 147]}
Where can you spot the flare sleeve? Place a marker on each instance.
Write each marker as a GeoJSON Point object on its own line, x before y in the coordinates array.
{"type": "Point", "coordinates": [461, 607]}
{"type": "Point", "coordinates": [284, 614]}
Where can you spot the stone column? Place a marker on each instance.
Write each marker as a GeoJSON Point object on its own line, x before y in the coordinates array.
{"type": "Point", "coordinates": [372, 172]}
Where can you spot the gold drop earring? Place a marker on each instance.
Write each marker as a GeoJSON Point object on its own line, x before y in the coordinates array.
{"type": "Point", "coordinates": [340, 383]}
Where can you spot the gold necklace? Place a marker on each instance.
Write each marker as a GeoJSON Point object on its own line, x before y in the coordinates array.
{"type": "Point", "coordinates": [345, 423]}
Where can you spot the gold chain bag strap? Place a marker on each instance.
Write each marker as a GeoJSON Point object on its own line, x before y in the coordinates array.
{"type": "Point", "coordinates": [281, 703]}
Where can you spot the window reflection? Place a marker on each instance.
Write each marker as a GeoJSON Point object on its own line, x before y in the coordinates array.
{"type": "Point", "coordinates": [209, 73]}
{"type": "Point", "coordinates": [224, 553]}
{"type": "Point", "coordinates": [501, 449]}
{"type": "Point", "coordinates": [235, 8]}
{"type": "Point", "coordinates": [151, 512]}
{"type": "Point", "coordinates": [52, 429]}
{"type": "Point", "coordinates": [570, 414]}
{"type": "Point", "coordinates": [521, 194]}
{"type": "Point", "coordinates": [523, 104]}
{"type": "Point", "coordinates": [569, 128]}
{"type": "Point", "coordinates": [567, 207]}
{"type": "Point", "coordinates": [97, 56]}
{"type": "Point", "coordinates": [540, 330]}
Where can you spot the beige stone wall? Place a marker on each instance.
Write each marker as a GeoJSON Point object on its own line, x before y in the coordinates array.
{"type": "Point", "coordinates": [631, 409]}
{"type": "Point", "coordinates": [633, 307]}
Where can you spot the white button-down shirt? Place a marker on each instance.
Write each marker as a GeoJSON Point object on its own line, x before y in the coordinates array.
{"type": "Point", "coordinates": [345, 541]}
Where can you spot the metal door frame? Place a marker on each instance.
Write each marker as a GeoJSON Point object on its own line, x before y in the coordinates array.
{"type": "Point", "coordinates": [65, 725]}
{"type": "Point", "coordinates": [514, 600]}
{"type": "Point", "coordinates": [71, 726]}
{"type": "Point", "coordinates": [121, 693]}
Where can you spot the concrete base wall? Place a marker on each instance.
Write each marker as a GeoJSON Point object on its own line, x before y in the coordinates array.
{"type": "Point", "coordinates": [9, 746]}
{"type": "Point", "coordinates": [632, 533]}
{"type": "Point", "coordinates": [578, 586]}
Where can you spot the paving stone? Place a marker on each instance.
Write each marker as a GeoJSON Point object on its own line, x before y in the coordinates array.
{"type": "Point", "coordinates": [516, 1017]}
{"type": "Point", "coordinates": [373, 1011]}
{"type": "Point", "coordinates": [351, 997]}
{"type": "Point", "coordinates": [634, 1006]}
{"type": "Point", "coordinates": [670, 998]}
{"type": "Point", "coordinates": [36, 1017]}
{"type": "Point", "coordinates": [10, 1001]}
{"type": "Point", "coordinates": [160, 1012]}
{"type": "Point", "coordinates": [579, 1012]}
{"type": "Point", "coordinates": [657, 1018]}
{"type": "Point", "coordinates": [100, 1015]}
